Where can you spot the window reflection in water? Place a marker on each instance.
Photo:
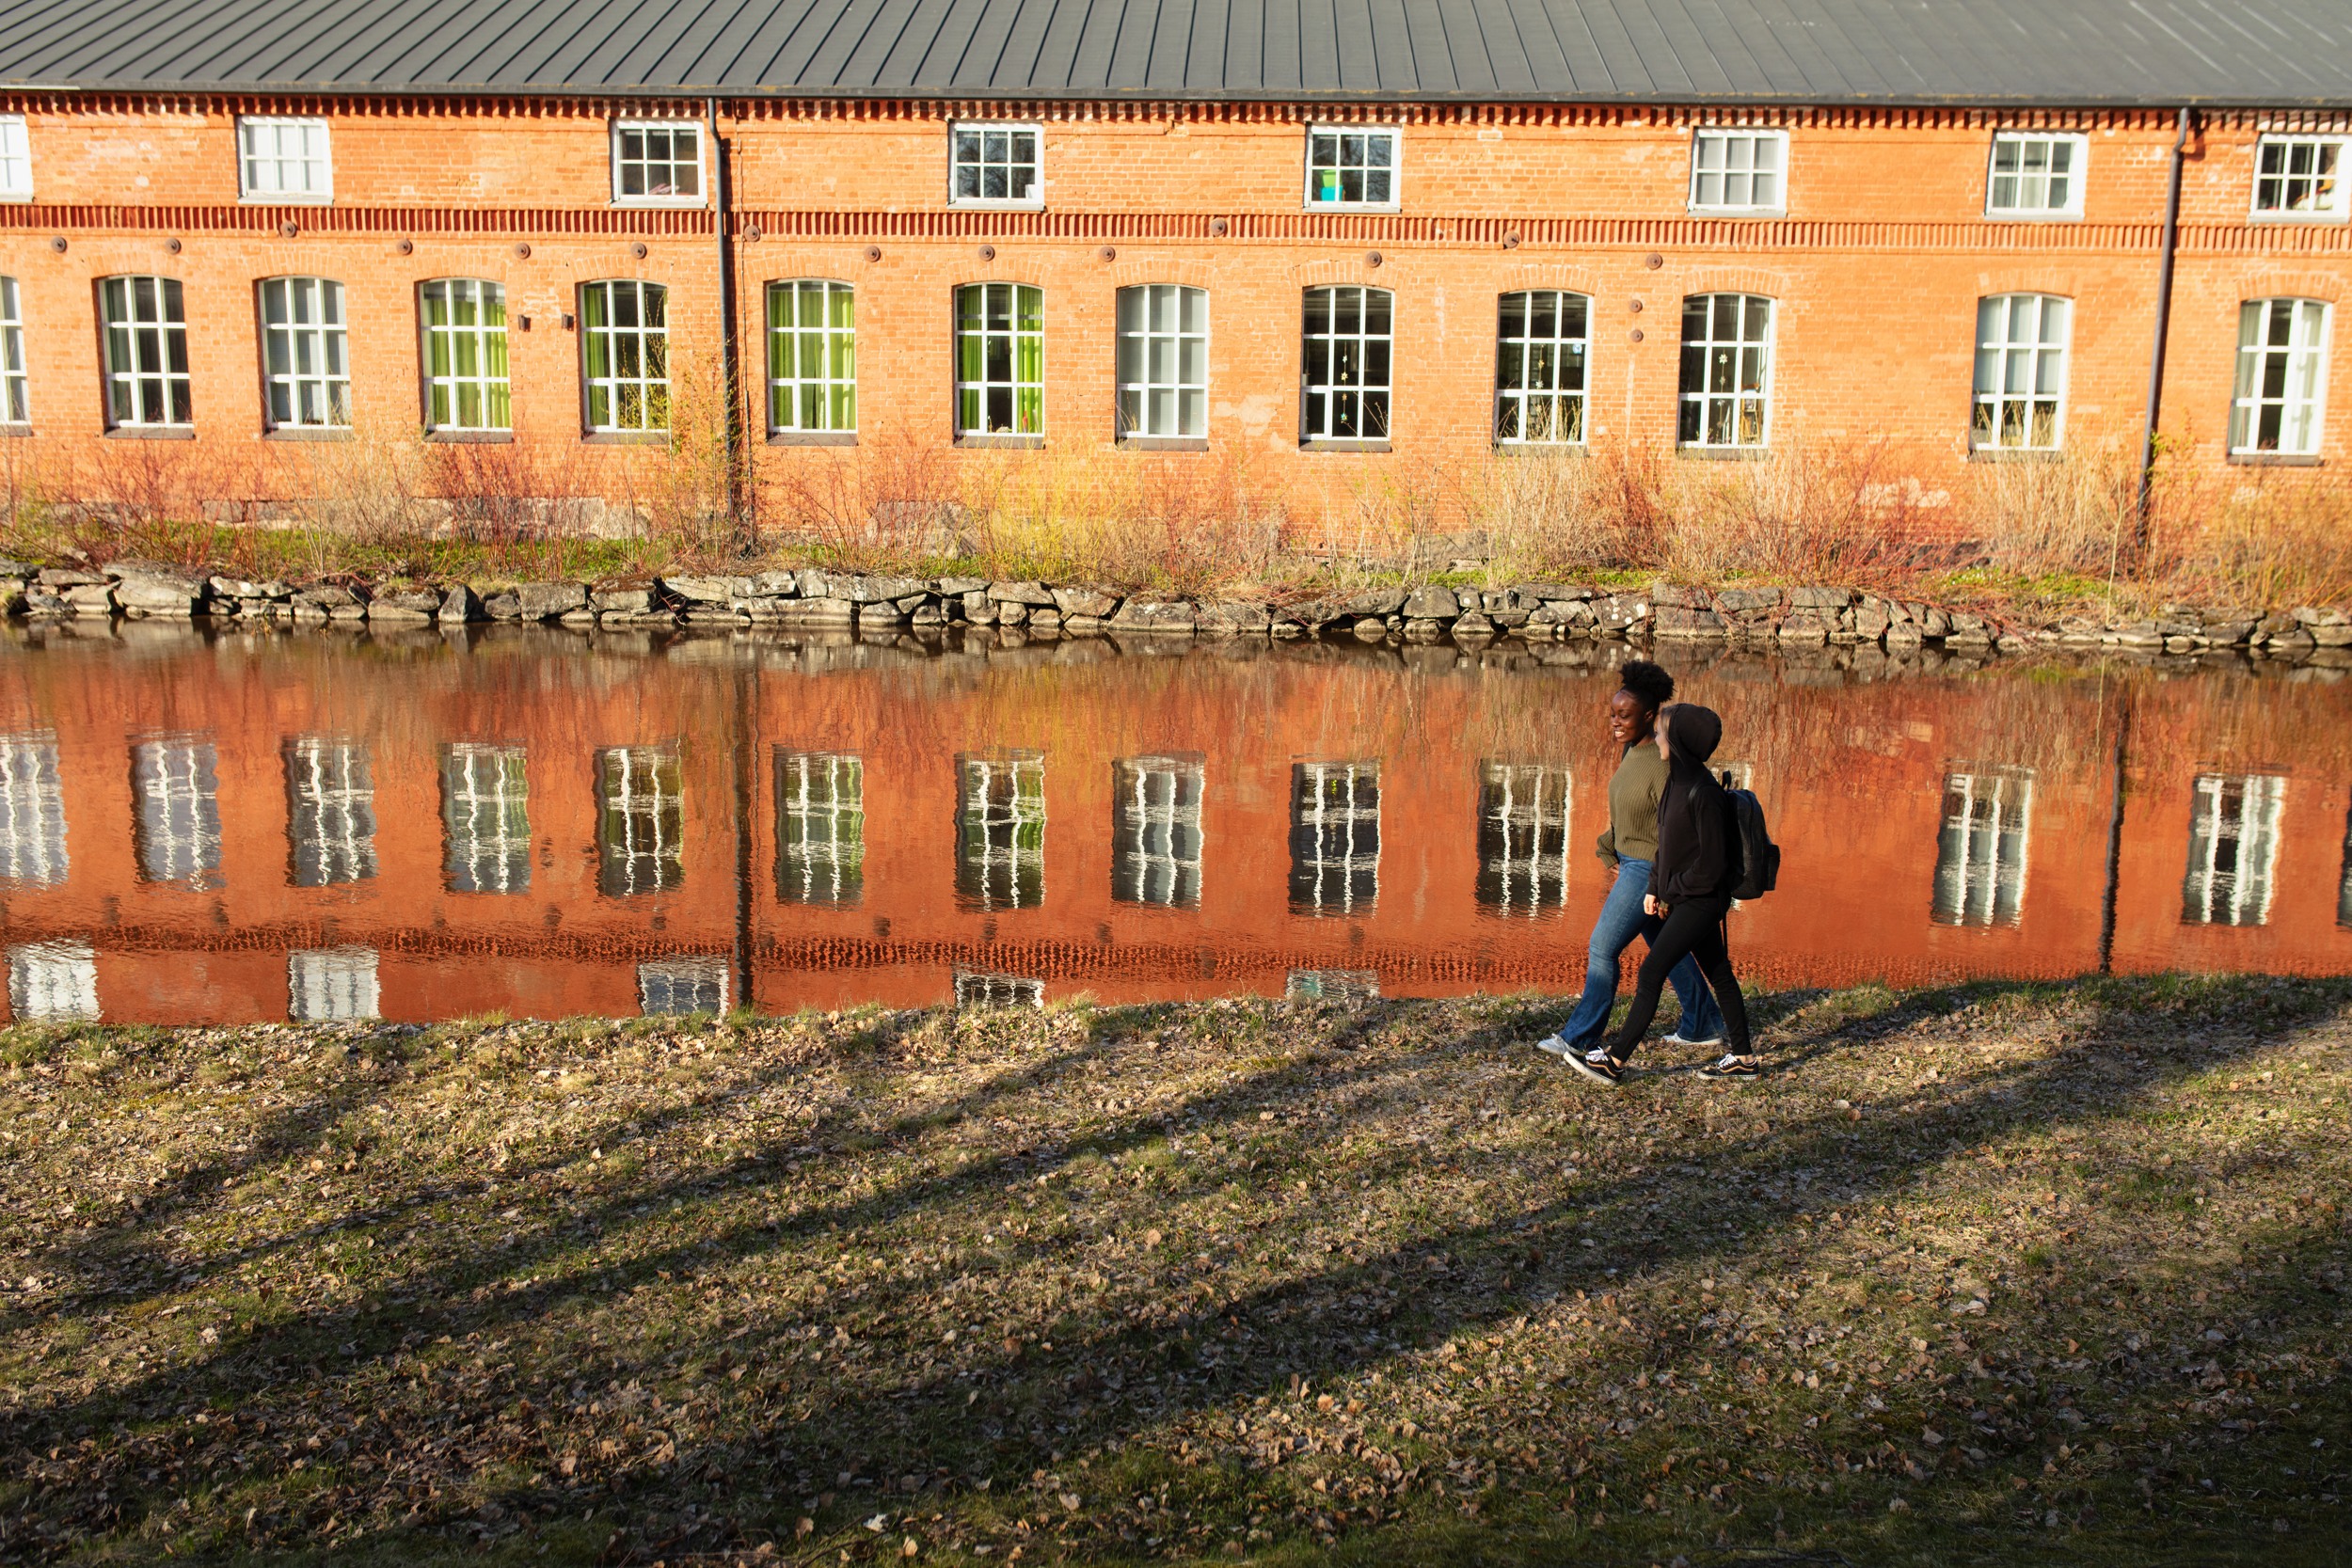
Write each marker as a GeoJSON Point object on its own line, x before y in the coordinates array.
{"type": "Point", "coordinates": [1332, 984]}
{"type": "Point", "coordinates": [821, 828]}
{"type": "Point", "coordinates": [1335, 836]}
{"type": "Point", "coordinates": [32, 811]}
{"type": "Point", "coordinates": [976, 990]}
{"type": "Point", "coordinates": [176, 788]}
{"type": "Point", "coordinates": [1523, 837]}
{"type": "Point", "coordinates": [675, 987]}
{"type": "Point", "coordinates": [1155, 830]}
{"type": "Point", "coordinates": [2232, 850]}
{"type": "Point", "coordinates": [641, 821]}
{"type": "Point", "coordinates": [485, 818]}
{"type": "Point", "coordinates": [330, 984]}
{"type": "Point", "coordinates": [330, 822]}
{"type": "Point", "coordinates": [53, 980]}
{"type": "Point", "coordinates": [1981, 851]}
{"type": "Point", "coordinates": [1000, 831]}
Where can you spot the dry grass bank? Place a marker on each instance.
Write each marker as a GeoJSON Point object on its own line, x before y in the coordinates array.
{"type": "Point", "coordinates": [1987, 1275]}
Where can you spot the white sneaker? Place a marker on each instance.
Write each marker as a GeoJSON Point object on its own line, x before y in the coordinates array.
{"type": "Point", "coordinates": [1679, 1038]}
{"type": "Point", "coordinates": [1555, 1044]}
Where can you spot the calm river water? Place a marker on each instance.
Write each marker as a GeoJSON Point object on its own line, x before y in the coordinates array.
{"type": "Point", "coordinates": [231, 827]}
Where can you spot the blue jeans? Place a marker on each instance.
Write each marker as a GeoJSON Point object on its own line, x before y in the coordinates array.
{"type": "Point", "coordinates": [1622, 920]}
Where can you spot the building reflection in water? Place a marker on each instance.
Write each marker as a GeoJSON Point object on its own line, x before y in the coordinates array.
{"type": "Point", "coordinates": [32, 811]}
{"type": "Point", "coordinates": [1335, 837]}
{"type": "Point", "coordinates": [1981, 853]}
{"type": "Point", "coordinates": [330, 811]}
{"type": "Point", "coordinates": [677, 987]}
{"type": "Point", "coordinates": [1000, 831]}
{"type": "Point", "coordinates": [327, 985]}
{"type": "Point", "coordinates": [53, 980]}
{"type": "Point", "coordinates": [976, 989]}
{"type": "Point", "coordinates": [2232, 849]}
{"type": "Point", "coordinates": [1155, 830]}
{"type": "Point", "coordinates": [1523, 811]}
{"type": "Point", "coordinates": [175, 784]}
{"type": "Point", "coordinates": [821, 828]}
{"type": "Point", "coordinates": [641, 821]}
{"type": "Point", "coordinates": [485, 818]}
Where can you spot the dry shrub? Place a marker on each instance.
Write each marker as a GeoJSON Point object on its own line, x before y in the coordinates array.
{"type": "Point", "coordinates": [2069, 512]}
{"type": "Point", "coordinates": [1551, 509]}
{"type": "Point", "coordinates": [1803, 512]}
{"type": "Point", "coordinates": [686, 491]}
{"type": "Point", "coordinates": [150, 500]}
{"type": "Point", "coordinates": [887, 501]}
{"type": "Point", "coordinates": [2276, 541]}
{"type": "Point", "coordinates": [365, 488]}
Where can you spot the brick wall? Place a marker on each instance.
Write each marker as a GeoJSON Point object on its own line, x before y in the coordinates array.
{"type": "Point", "coordinates": [1876, 268]}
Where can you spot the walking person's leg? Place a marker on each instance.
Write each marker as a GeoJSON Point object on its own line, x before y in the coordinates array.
{"type": "Point", "coordinates": [1620, 920]}
{"type": "Point", "coordinates": [1676, 937]}
{"type": "Point", "coordinates": [1701, 1022]}
{"type": "Point", "coordinates": [1714, 961]}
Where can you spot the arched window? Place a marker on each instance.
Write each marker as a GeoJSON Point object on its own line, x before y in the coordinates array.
{"type": "Point", "coordinates": [1727, 370]}
{"type": "Point", "coordinates": [1000, 361]}
{"type": "Point", "coordinates": [1539, 367]}
{"type": "Point", "coordinates": [1162, 361]}
{"type": "Point", "coordinates": [812, 357]}
{"type": "Point", "coordinates": [2281, 377]}
{"type": "Point", "coordinates": [306, 368]}
{"type": "Point", "coordinates": [466, 385]}
{"type": "Point", "coordinates": [625, 341]}
{"type": "Point", "coordinates": [1349, 343]}
{"type": "Point", "coordinates": [2021, 372]}
{"type": "Point", "coordinates": [16, 406]}
{"type": "Point", "coordinates": [147, 353]}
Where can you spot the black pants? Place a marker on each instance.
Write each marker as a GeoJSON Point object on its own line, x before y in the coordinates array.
{"type": "Point", "coordinates": [1695, 927]}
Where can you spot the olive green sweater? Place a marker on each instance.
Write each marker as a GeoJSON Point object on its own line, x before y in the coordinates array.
{"type": "Point", "coordinates": [1633, 792]}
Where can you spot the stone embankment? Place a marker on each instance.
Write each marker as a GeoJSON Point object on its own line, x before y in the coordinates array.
{"type": "Point", "coordinates": [842, 601]}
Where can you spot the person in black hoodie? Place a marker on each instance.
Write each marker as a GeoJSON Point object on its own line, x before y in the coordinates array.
{"type": "Point", "coordinates": [1698, 864]}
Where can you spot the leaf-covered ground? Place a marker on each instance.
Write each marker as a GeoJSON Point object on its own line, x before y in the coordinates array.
{"type": "Point", "coordinates": [1986, 1275]}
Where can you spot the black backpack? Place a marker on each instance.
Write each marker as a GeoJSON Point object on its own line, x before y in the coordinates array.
{"type": "Point", "coordinates": [1759, 857]}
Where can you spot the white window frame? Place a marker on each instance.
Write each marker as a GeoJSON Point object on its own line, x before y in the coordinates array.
{"type": "Point", "coordinates": [176, 826]}
{"type": "Point", "coordinates": [1000, 830]}
{"type": "Point", "coordinates": [1319, 397]}
{"type": "Point", "coordinates": [16, 159]}
{"type": "Point", "coordinates": [835, 344]}
{"type": "Point", "coordinates": [326, 985]}
{"type": "Point", "coordinates": [1163, 366]}
{"type": "Point", "coordinates": [1701, 136]}
{"type": "Point", "coordinates": [1524, 827]}
{"type": "Point", "coordinates": [2005, 352]}
{"type": "Point", "coordinates": [16, 382]}
{"type": "Point", "coordinates": [1325, 857]}
{"type": "Point", "coordinates": [2309, 357]}
{"type": "Point", "coordinates": [1561, 347]}
{"type": "Point", "coordinates": [317, 164]}
{"type": "Point", "coordinates": [146, 372]}
{"type": "Point", "coordinates": [486, 297]}
{"type": "Point", "coordinates": [639, 788]}
{"type": "Point", "coordinates": [821, 828]}
{"type": "Point", "coordinates": [701, 198]}
{"type": "Point", "coordinates": [650, 388]}
{"type": "Point", "coordinates": [330, 802]}
{"type": "Point", "coordinates": [1029, 393]}
{"type": "Point", "coordinates": [1984, 847]}
{"type": "Point", "coordinates": [1762, 395]}
{"type": "Point", "coordinates": [33, 850]}
{"type": "Point", "coordinates": [486, 817]}
{"type": "Point", "coordinates": [978, 989]}
{"type": "Point", "coordinates": [2078, 159]}
{"type": "Point", "coordinates": [55, 981]}
{"type": "Point", "coordinates": [1395, 198]}
{"type": "Point", "coordinates": [1156, 838]}
{"type": "Point", "coordinates": [2339, 196]}
{"type": "Point", "coordinates": [677, 987]}
{"type": "Point", "coordinates": [2238, 893]}
{"type": "Point", "coordinates": [983, 129]}
{"type": "Point", "coordinates": [314, 354]}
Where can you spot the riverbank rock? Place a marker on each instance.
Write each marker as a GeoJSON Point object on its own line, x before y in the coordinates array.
{"type": "Point", "coordinates": [1154, 616]}
{"type": "Point", "coordinates": [545, 601]}
{"type": "Point", "coordinates": [145, 594]}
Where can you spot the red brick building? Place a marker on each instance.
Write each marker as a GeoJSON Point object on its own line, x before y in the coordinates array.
{"type": "Point", "coordinates": [1344, 246]}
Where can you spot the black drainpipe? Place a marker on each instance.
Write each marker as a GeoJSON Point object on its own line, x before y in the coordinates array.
{"type": "Point", "coordinates": [722, 198]}
{"type": "Point", "coordinates": [2155, 352]}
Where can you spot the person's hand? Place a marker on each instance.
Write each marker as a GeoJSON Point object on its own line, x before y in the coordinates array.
{"type": "Point", "coordinates": [1651, 906]}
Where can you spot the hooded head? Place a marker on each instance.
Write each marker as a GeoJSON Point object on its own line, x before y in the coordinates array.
{"type": "Point", "coordinates": [1692, 733]}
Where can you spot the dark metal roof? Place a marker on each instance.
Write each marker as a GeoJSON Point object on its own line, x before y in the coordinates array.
{"type": "Point", "coordinates": [2254, 53]}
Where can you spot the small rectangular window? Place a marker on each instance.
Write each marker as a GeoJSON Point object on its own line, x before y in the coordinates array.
{"type": "Point", "coordinates": [16, 387]}
{"type": "Point", "coordinates": [147, 351]}
{"type": "Point", "coordinates": [330, 817]}
{"type": "Point", "coordinates": [2232, 850]}
{"type": "Point", "coordinates": [625, 345]}
{"type": "Point", "coordinates": [1335, 837]}
{"type": "Point", "coordinates": [1981, 852]}
{"type": "Point", "coordinates": [996, 165]}
{"type": "Point", "coordinates": [2036, 174]}
{"type": "Point", "coordinates": [2299, 176]}
{"type": "Point", "coordinates": [821, 828]}
{"type": "Point", "coordinates": [1162, 361]}
{"type": "Point", "coordinates": [1739, 172]}
{"type": "Point", "coordinates": [1348, 167]}
{"type": "Point", "coordinates": [1539, 368]}
{"type": "Point", "coordinates": [1155, 830]}
{"type": "Point", "coordinates": [16, 160]}
{"type": "Point", "coordinates": [32, 811]}
{"type": "Point", "coordinates": [2021, 372]}
{"type": "Point", "coordinates": [305, 353]}
{"type": "Point", "coordinates": [53, 980]}
{"type": "Point", "coordinates": [485, 818]}
{"type": "Point", "coordinates": [1000, 360]}
{"type": "Point", "coordinates": [1523, 837]}
{"type": "Point", "coordinates": [641, 822]}
{"type": "Point", "coordinates": [812, 357]}
{"type": "Point", "coordinates": [1348, 347]}
{"type": "Point", "coordinates": [327, 985]}
{"type": "Point", "coordinates": [466, 384]}
{"type": "Point", "coordinates": [679, 987]}
{"type": "Point", "coordinates": [284, 160]}
{"type": "Point", "coordinates": [175, 786]}
{"type": "Point", "coordinates": [2281, 377]}
{"type": "Point", "coordinates": [1727, 370]}
{"type": "Point", "coordinates": [1000, 831]}
{"type": "Point", "coordinates": [657, 164]}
